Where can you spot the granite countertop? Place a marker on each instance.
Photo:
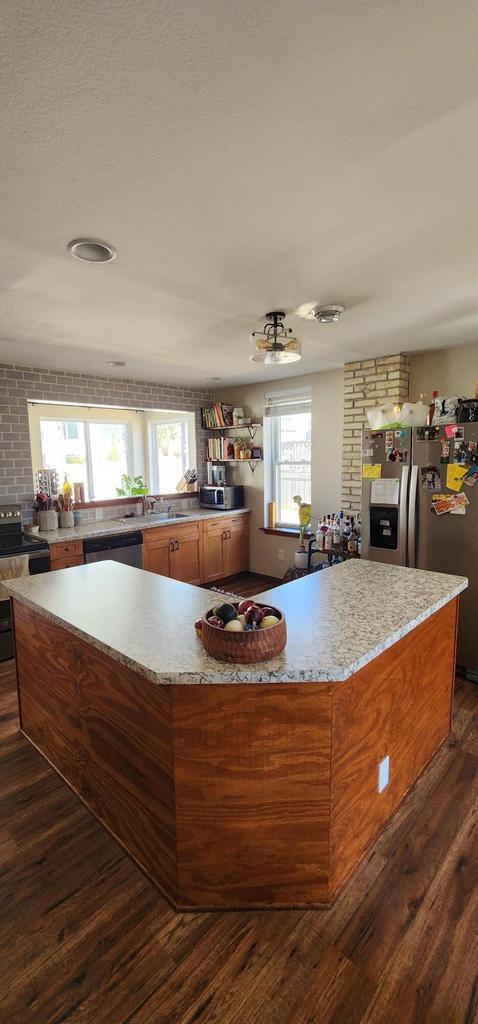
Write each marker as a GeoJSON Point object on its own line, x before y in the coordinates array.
{"type": "Point", "coordinates": [338, 620]}
{"type": "Point", "coordinates": [108, 527]}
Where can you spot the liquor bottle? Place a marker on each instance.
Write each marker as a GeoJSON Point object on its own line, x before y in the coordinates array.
{"type": "Point", "coordinates": [337, 536]}
{"type": "Point", "coordinates": [319, 537]}
{"type": "Point", "coordinates": [329, 536]}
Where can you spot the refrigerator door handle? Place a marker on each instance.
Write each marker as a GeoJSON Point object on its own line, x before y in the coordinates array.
{"type": "Point", "coordinates": [412, 517]}
{"type": "Point", "coordinates": [402, 516]}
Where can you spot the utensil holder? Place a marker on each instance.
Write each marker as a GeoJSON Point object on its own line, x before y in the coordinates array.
{"type": "Point", "coordinates": [48, 520]}
{"type": "Point", "coordinates": [66, 519]}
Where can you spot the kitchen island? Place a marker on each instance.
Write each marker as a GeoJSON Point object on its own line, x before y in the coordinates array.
{"type": "Point", "coordinates": [233, 786]}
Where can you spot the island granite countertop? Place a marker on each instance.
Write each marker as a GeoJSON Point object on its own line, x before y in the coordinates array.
{"type": "Point", "coordinates": [338, 620]}
{"type": "Point", "coordinates": [111, 527]}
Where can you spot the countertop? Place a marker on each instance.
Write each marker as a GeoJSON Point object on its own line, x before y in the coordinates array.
{"type": "Point", "coordinates": [108, 527]}
{"type": "Point", "coordinates": [338, 620]}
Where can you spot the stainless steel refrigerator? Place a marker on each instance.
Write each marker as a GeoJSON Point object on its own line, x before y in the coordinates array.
{"type": "Point", "coordinates": [402, 471]}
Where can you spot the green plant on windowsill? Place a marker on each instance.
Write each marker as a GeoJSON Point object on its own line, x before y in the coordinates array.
{"type": "Point", "coordinates": [305, 516]}
{"type": "Point", "coordinates": [132, 486]}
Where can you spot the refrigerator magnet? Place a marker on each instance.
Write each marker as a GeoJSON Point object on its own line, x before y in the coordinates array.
{"type": "Point", "coordinates": [445, 451]}
{"type": "Point", "coordinates": [430, 478]}
{"type": "Point", "coordinates": [471, 477]}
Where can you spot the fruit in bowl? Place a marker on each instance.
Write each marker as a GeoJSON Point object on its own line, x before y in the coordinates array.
{"type": "Point", "coordinates": [242, 631]}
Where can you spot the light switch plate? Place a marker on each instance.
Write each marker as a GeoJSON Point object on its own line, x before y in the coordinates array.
{"type": "Point", "coordinates": [383, 774]}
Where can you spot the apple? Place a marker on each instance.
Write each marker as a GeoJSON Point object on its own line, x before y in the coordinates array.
{"type": "Point", "coordinates": [254, 614]}
{"type": "Point", "coordinates": [244, 605]}
{"type": "Point", "coordinates": [216, 621]}
{"type": "Point", "coordinates": [234, 626]}
{"type": "Point", "coordinates": [269, 620]}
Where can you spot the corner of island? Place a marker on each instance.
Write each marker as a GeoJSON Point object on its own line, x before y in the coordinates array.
{"type": "Point", "coordinates": [238, 785]}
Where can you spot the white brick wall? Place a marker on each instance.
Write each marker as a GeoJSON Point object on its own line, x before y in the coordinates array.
{"type": "Point", "coordinates": [20, 383]}
{"type": "Point", "coordinates": [367, 382]}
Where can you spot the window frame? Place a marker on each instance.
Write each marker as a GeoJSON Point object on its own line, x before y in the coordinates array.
{"type": "Point", "coordinates": [290, 400]}
{"type": "Point", "coordinates": [88, 449]}
{"type": "Point", "coordinates": [183, 419]}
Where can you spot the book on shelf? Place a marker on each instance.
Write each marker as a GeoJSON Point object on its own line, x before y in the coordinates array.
{"type": "Point", "coordinates": [218, 415]}
{"type": "Point", "coordinates": [219, 448]}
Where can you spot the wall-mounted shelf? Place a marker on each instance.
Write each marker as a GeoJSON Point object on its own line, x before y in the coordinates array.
{"type": "Point", "coordinates": [252, 463]}
{"type": "Point", "coordinates": [251, 427]}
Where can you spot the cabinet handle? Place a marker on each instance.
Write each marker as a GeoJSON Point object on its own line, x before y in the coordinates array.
{"type": "Point", "coordinates": [229, 534]}
{"type": "Point", "coordinates": [176, 545]}
{"type": "Point", "coordinates": [171, 545]}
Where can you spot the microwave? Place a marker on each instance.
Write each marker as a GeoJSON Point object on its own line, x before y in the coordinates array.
{"type": "Point", "coordinates": [223, 497]}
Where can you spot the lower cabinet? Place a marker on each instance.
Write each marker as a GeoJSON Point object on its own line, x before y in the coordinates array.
{"type": "Point", "coordinates": [226, 547]}
{"type": "Point", "coordinates": [64, 555]}
{"type": "Point", "coordinates": [174, 552]}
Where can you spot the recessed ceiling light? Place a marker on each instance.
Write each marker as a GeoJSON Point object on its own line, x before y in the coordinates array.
{"type": "Point", "coordinates": [116, 362]}
{"type": "Point", "coordinates": [213, 378]}
{"type": "Point", "coordinates": [91, 250]}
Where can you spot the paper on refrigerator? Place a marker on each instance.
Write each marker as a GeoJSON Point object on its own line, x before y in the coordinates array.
{"type": "Point", "coordinates": [385, 491]}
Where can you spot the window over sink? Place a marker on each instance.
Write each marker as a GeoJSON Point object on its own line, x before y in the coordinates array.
{"type": "Point", "coordinates": [98, 446]}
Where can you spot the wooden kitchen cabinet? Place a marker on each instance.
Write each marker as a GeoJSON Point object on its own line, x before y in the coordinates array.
{"type": "Point", "coordinates": [237, 545]}
{"type": "Point", "coordinates": [225, 547]}
{"type": "Point", "coordinates": [214, 548]}
{"type": "Point", "coordinates": [174, 551]}
{"type": "Point", "coordinates": [66, 554]}
{"type": "Point", "coordinates": [156, 551]}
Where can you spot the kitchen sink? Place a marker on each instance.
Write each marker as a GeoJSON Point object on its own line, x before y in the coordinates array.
{"type": "Point", "coordinates": [163, 517]}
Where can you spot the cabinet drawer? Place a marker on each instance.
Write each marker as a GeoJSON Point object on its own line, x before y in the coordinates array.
{"type": "Point", "coordinates": [69, 547]}
{"type": "Point", "coordinates": [66, 562]}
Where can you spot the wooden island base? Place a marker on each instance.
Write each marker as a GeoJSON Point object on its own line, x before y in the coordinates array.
{"type": "Point", "coordinates": [247, 795]}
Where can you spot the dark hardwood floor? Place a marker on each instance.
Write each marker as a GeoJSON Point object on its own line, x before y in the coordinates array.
{"type": "Point", "coordinates": [247, 584]}
{"type": "Point", "coordinates": [85, 939]}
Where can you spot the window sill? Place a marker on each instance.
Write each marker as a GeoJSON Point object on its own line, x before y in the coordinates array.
{"type": "Point", "coordinates": [284, 531]}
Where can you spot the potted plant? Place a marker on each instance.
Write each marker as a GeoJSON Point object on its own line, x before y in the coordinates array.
{"type": "Point", "coordinates": [305, 516]}
{"type": "Point", "coordinates": [131, 486]}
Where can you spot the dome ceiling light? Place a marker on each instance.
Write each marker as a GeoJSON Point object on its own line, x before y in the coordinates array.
{"type": "Point", "coordinates": [324, 314]}
{"type": "Point", "coordinates": [91, 250]}
{"type": "Point", "coordinates": [274, 344]}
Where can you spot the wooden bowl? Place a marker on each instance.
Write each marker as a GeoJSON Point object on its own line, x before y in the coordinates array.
{"type": "Point", "coordinates": [245, 648]}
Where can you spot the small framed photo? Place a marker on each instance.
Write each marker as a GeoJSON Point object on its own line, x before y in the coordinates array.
{"type": "Point", "coordinates": [256, 453]}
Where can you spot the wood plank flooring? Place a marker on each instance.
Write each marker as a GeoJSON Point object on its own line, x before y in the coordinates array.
{"type": "Point", "coordinates": [85, 939]}
{"type": "Point", "coordinates": [246, 584]}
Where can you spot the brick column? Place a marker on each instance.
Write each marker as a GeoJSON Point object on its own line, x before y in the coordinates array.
{"type": "Point", "coordinates": [367, 383]}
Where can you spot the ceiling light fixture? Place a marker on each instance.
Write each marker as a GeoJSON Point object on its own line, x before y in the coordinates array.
{"type": "Point", "coordinates": [274, 344]}
{"type": "Point", "coordinates": [116, 362]}
{"type": "Point", "coordinates": [91, 250]}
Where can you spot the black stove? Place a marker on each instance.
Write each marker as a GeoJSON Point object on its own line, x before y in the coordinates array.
{"type": "Point", "coordinates": [21, 545]}
{"type": "Point", "coordinates": [14, 542]}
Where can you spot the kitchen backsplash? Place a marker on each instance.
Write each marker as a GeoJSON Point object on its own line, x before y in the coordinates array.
{"type": "Point", "coordinates": [18, 384]}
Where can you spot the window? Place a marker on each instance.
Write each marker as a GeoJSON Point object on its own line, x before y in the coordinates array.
{"type": "Point", "coordinates": [169, 453]}
{"type": "Point", "coordinates": [288, 451]}
{"type": "Point", "coordinates": [94, 454]}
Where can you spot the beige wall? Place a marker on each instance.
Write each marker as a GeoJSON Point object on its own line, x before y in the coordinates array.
{"type": "Point", "coordinates": [451, 371]}
{"type": "Point", "coordinates": [327, 424]}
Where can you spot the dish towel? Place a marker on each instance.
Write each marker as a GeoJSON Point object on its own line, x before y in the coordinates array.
{"type": "Point", "coordinates": [12, 568]}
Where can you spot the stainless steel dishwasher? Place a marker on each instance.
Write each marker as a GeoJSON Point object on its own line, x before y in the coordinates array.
{"type": "Point", "coordinates": [125, 547]}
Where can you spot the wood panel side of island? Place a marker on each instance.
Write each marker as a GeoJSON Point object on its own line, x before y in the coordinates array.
{"type": "Point", "coordinates": [252, 772]}
{"type": "Point", "coordinates": [107, 732]}
{"type": "Point", "coordinates": [399, 705]}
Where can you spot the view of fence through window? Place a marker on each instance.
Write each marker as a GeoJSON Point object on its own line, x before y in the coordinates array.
{"type": "Point", "coordinates": [292, 466]}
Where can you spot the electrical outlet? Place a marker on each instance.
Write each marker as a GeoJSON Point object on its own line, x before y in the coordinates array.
{"type": "Point", "coordinates": [383, 774]}
{"type": "Point", "coordinates": [280, 554]}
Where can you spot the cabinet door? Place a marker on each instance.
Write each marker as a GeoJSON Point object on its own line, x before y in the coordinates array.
{"type": "Point", "coordinates": [157, 552]}
{"type": "Point", "coordinates": [237, 545]}
{"type": "Point", "coordinates": [185, 557]}
{"type": "Point", "coordinates": [214, 542]}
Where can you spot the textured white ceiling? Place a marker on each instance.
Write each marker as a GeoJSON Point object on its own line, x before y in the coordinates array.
{"type": "Point", "coordinates": [241, 155]}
